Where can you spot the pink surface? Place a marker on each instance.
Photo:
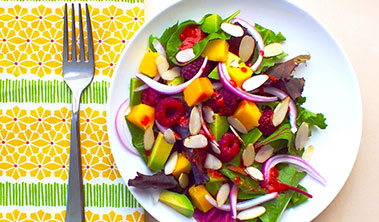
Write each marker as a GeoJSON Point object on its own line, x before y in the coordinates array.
{"type": "Point", "coordinates": [355, 26]}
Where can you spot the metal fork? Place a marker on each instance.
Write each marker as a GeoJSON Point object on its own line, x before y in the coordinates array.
{"type": "Point", "coordinates": [77, 74]}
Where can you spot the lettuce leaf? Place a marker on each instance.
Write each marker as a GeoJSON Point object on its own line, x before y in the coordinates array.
{"type": "Point", "coordinates": [158, 180]}
{"type": "Point", "coordinates": [304, 115]}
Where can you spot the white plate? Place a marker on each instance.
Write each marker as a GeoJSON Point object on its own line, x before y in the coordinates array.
{"type": "Point", "coordinates": [330, 88]}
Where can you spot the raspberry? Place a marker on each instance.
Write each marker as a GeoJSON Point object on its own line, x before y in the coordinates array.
{"type": "Point", "coordinates": [223, 102]}
{"type": "Point", "coordinates": [265, 122]}
{"type": "Point", "coordinates": [229, 147]}
{"type": "Point", "coordinates": [151, 97]}
{"type": "Point", "coordinates": [169, 111]}
{"type": "Point", "coordinates": [188, 71]}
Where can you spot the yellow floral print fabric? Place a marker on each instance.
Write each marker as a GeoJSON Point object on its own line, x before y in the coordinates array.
{"type": "Point", "coordinates": [35, 113]}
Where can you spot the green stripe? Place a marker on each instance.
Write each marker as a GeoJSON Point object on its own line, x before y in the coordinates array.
{"type": "Point", "coordinates": [54, 194]}
{"type": "Point", "coordinates": [51, 91]}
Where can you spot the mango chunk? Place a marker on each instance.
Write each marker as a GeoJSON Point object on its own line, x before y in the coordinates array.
{"type": "Point", "coordinates": [148, 64]}
{"type": "Point", "coordinates": [197, 194]}
{"type": "Point", "coordinates": [240, 74]}
{"type": "Point", "coordinates": [198, 91]}
{"type": "Point", "coordinates": [217, 50]}
{"type": "Point", "coordinates": [142, 116]}
{"type": "Point", "coordinates": [248, 114]}
{"type": "Point", "coordinates": [183, 165]}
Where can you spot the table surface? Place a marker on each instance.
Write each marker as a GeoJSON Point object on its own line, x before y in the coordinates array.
{"type": "Point", "coordinates": [355, 26]}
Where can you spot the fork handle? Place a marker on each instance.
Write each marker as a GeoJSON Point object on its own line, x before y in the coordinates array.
{"type": "Point", "coordinates": [75, 203]}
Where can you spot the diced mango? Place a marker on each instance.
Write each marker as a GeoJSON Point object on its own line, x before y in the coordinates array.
{"type": "Point", "coordinates": [248, 114]}
{"type": "Point", "coordinates": [240, 74]}
{"type": "Point", "coordinates": [142, 116]}
{"type": "Point", "coordinates": [198, 91]}
{"type": "Point", "coordinates": [148, 64]}
{"type": "Point", "coordinates": [183, 165]}
{"type": "Point", "coordinates": [217, 50]}
{"type": "Point", "coordinates": [197, 194]}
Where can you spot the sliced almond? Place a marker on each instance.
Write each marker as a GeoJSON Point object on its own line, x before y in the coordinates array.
{"type": "Point", "coordinates": [248, 155]}
{"type": "Point", "coordinates": [308, 153]}
{"type": "Point", "coordinates": [215, 148]}
{"type": "Point", "coordinates": [280, 111]}
{"type": "Point", "coordinates": [302, 136]}
{"type": "Point", "coordinates": [171, 74]}
{"type": "Point", "coordinates": [235, 63]}
{"type": "Point", "coordinates": [208, 114]}
{"type": "Point", "coordinates": [171, 163]}
{"type": "Point", "coordinates": [183, 180]}
{"type": "Point", "coordinates": [223, 194]}
{"type": "Point", "coordinates": [148, 138]}
{"type": "Point", "coordinates": [236, 169]}
{"type": "Point", "coordinates": [251, 213]}
{"type": "Point", "coordinates": [185, 55]}
{"type": "Point", "coordinates": [237, 135]}
{"type": "Point", "coordinates": [273, 49]}
{"type": "Point", "coordinates": [194, 121]}
{"type": "Point", "coordinates": [264, 153]}
{"type": "Point", "coordinates": [212, 162]}
{"type": "Point", "coordinates": [246, 48]}
{"type": "Point", "coordinates": [237, 125]}
{"type": "Point", "coordinates": [254, 173]}
{"type": "Point", "coordinates": [231, 29]}
{"type": "Point", "coordinates": [162, 64]}
{"type": "Point", "coordinates": [197, 141]}
{"type": "Point", "coordinates": [254, 82]}
{"type": "Point", "coordinates": [169, 136]}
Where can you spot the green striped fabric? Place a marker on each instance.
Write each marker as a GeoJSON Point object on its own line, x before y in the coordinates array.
{"type": "Point", "coordinates": [51, 91]}
{"type": "Point", "coordinates": [55, 194]}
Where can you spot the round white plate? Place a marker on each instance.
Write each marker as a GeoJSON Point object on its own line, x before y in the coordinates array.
{"type": "Point", "coordinates": [331, 88]}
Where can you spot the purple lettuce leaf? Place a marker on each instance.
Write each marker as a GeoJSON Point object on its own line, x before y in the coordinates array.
{"type": "Point", "coordinates": [213, 215]}
{"type": "Point", "coordinates": [198, 173]}
{"type": "Point", "coordinates": [292, 86]}
{"type": "Point", "coordinates": [158, 180]}
{"type": "Point", "coordinates": [285, 69]}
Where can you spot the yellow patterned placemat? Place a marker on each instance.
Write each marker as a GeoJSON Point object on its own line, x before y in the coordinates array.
{"type": "Point", "coordinates": [35, 113]}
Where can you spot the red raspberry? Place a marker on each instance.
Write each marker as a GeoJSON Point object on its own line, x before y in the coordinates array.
{"type": "Point", "coordinates": [188, 71]}
{"type": "Point", "coordinates": [265, 122]}
{"type": "Point", "coordinates": [229, 147]}
{"type": "Point", "coordinates": [223, 102]}
{"type": "Point", "coordinates": [169, 111]}
{"type": "Point", "coordinates": [150, 97]}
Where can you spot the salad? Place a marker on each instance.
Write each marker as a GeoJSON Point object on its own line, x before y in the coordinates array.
{"type": "Point", "coordinates": [217, 115]}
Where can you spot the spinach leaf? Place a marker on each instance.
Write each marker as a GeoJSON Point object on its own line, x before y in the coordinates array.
{"type": "Point", "coordinates": [275, 208]}
{"type": "Point", "coordinates": [151, 46]}
{"type": "Point", "coordinates": [282, 133]}
{"type": "Point", "coordinates": [168, 33]}
{"type": "Point", "coordinates": [246, 184]}
{"type": "Point", "coordinates": [228, 19]}
{"type": "Point", "coordinates": [269, 37]}
{"type": "Point", "coordinates": [298, 198]}
{"type": "Point", "coordinates": [199, 47]}
{"type": "Point", "coordinates": [137, 139]}
{"type": "Point", "coordinates": [211, 23]}
{"type": "Point", "coordinates": [268, 62]}
{"type": "Point", "coordinates": [174, 41]}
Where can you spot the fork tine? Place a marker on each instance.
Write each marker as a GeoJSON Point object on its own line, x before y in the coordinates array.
{"type": "Point", "coordinates": [89, 36]}
{"type": "Point", "coordinates": [73, 35]}
{"type": "Point", "coordinates": [82, 54]}
{"type": "Point", "coordinates": [65, 36]}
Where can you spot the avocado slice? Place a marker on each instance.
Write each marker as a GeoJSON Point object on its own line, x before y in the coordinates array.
{"type": "Point", "coordinates": [178, 202]}
{"type": "Point", "coordinates": [159, 154]}
{"type": "Point", "coordinates": [176, 81]}
{"type": "Point", "coordinates": [135, 97]}
{"type": "Point", "coordinates": [219, 127]}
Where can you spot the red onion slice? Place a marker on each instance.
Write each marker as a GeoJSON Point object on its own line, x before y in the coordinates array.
{"type": "Point", "coordinates": [244, 204]}
{"type": "Point", "coordinates": [225, 79]}
{"type": "Point", "coordinates": [257, 36]}
{"type": "Point", "coordinates": [120, 125]}
{"type": "Point", "coordinates": [144, 86]}
{"type": "Point", "coordinates": [159, 47]}
{"type": "Point", "coordinates": [233, 200]}
{"type": "Point", "coordinates": [292, 112]}
{"type": "Point", "coordinates": [169, 90]}
{"type": "Point", "coordinates": [292, 160]}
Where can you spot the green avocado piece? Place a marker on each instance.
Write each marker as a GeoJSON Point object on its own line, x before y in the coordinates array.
{"type": "Point", "coordinates": [135, 97]}
{"type": "Point", "coordinates": [159, 154]}
{"type": "Point", "coordinates": [176, 81]}
{"type": "Point", "coordinates": [178, 202]}
{"type": "Point", "coordinates": [219, 127]}
{"type": "Point", "coordinates": [213, 187]}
